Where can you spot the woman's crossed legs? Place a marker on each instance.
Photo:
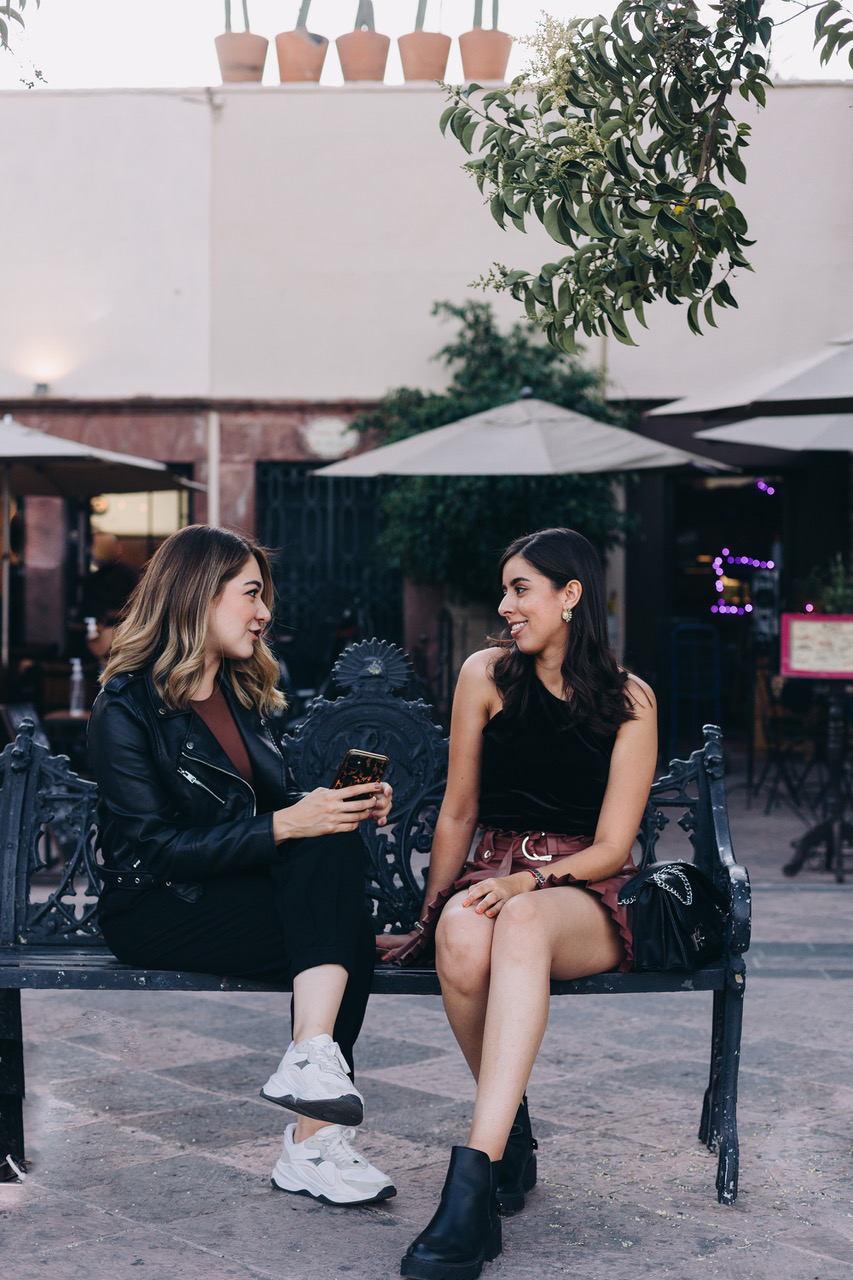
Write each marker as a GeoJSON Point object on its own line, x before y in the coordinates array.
{"type": "Point", "coordinates": [495, 976]}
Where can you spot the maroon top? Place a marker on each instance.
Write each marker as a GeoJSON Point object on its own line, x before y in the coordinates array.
{"type": "Point", "coordinates": [216, 714]}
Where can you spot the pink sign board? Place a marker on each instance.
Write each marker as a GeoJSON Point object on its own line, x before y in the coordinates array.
{"type": "Point", "coordinates": [819, 645]}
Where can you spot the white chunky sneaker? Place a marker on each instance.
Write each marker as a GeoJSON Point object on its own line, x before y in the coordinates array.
{"type": "Point", "coordinates": [327, 1168]}
{"type": "Point", "coordinates": [312, 1080]}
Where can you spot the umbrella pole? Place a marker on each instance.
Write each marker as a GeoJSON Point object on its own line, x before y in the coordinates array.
{"type": "Point", "coordinates": [213, 462]}
{"type": "Point", "coordinates": [6, 517]}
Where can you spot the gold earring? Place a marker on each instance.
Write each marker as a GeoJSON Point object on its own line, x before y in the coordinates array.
{"type": "Point", "coordinates": [566, 615]}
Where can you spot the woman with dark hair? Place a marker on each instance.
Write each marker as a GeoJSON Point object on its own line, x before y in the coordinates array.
{"type": "Point", "coordinates": [209, 864]}
{"type": "Point", "coordinates": [552, 754]}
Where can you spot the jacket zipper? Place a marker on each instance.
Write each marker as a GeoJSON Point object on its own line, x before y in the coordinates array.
{"type": "Point", "coordinates": [235, 776]}
{"type": "Point", "coordinates": [190, 777]}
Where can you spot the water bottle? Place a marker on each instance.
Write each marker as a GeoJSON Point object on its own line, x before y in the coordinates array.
{"type": "Point", "coordinates": [77, 705]}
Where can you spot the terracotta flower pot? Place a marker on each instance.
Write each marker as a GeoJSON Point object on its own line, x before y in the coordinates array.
{"type": "Point", "coordinates": [424, 55]}
{"type": "Point", "coordinates": [241, 55]}
{"type": "Point", "coordinates": [485, 53]}
{"type": "Point", "coordinates": [301, 55]}
{"type": "Point", "coordinates": [363, 55]}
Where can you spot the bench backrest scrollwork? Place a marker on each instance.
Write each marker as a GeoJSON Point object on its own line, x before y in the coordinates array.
{"type": "Point", "coordinates": [373, 717]}
{"type": "Point", "coordinates": [48, 813]}
{"type": "Point", "coordinates": [47, 817]}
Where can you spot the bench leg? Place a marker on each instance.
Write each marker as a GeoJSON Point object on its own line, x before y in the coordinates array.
{"type": "Point", "coordinates": [727, 1166]}
{"type": "Point", "coordinates": [709, 1128]}
{"type": "Point", "coordinates": [11, 1081]}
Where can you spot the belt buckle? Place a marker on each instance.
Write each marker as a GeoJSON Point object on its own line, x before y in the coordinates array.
{"type": "Point", "coordinates": [534, 857]}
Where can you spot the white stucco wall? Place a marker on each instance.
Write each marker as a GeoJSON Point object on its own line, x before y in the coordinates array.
{"type": "Point", "coordinates": [106, 259]}
{"type": "Point", "coordinates": [288, 242]}
{"type": "Point", "coordinates": [340, 216]}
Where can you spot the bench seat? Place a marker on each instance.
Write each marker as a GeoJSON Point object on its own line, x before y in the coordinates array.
{"type": "Point", "coordinates": [96, 969]}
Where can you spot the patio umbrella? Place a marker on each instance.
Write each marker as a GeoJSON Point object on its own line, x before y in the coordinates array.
{"type": "Point", "coordinates": [33, 462]}
{"type": "Point", "coordinates": [828, 432]}
{"type": "Point", "coordinates": [824, 375]}
{"type": "Point", "coordinates": [527, 437]}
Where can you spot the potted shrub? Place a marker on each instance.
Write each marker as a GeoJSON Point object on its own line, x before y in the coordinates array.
{"type": "Point", "coordinates": [485, 53]}
{"type": "Point", "coordinates": [423, 53]}
{"type": "Point", "coordinates": [363, 52]}
{"type": "Point", "coordinates": [241, 54]}
{"type": "Point", "coordinates": [301, 53]}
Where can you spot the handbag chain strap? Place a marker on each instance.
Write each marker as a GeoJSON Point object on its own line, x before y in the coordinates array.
{"type": "Point", "coordinates": [660, 878]}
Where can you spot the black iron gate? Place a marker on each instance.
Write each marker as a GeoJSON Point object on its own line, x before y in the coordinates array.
{"type": "Point", "coordinates": [331, 587]}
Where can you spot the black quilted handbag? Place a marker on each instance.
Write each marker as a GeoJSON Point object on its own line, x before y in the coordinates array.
{"type": "Point", "coordinates": [679, 917]}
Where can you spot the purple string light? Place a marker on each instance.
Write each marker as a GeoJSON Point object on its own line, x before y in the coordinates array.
{"type": "Point", "coordinates": [752, 562]}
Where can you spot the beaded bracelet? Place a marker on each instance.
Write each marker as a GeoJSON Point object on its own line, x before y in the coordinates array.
{"type": "Point", "coordinates": [537, 876]}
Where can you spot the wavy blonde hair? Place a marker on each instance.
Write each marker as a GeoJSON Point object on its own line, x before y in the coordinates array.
{"type": "Point", "coordinates": [165, 626]}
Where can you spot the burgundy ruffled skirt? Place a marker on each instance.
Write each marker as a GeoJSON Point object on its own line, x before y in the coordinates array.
{"type": "Point", "coordinates": [501, 853]}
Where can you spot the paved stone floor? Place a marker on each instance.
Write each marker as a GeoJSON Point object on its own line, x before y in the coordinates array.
{"type": "Point", "coordinates": [150, 1148]}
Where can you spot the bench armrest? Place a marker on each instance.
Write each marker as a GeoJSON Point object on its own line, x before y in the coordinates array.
{"type": "Point", "coordinates": [729, 875]}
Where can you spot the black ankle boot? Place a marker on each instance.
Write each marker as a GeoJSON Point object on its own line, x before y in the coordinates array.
{"type": "Point", "coordinates": [465, 1230]}
{"type": "Point", "coordinates": [517, 1169]}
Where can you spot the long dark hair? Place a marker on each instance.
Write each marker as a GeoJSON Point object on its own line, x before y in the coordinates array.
{"type": "Point", "coordinates": [592, 678]}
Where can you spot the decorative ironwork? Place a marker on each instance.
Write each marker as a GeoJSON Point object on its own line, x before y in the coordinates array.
{"type": "Point", "coordinates": [678, 789]}
{"type": "Point", "coordinates": [51, 812]}
{"type": "Point", "coordinates": [55, 810]}
{"type": "Point", "coordinates": [373, 667]}
{"type": "Point", "coordinates": [373, 717]}
{"type": "Point", "coordinates": [330, 586]}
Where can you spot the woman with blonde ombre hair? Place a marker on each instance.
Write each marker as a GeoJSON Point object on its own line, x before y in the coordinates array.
{"type": "Point", "coordinates": [209, 864]}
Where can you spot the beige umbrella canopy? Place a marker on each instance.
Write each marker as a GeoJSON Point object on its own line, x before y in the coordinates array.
{"type": "Point", "coordinates": [527, 437]}
{"type": "Point", "coordinates": [35, 463]}
{"type": "Point", "coordinates": [824, 375]}
{"type": "Point", "coordinates": [827, 432]}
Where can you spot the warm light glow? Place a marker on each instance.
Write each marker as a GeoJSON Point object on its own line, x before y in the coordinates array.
{"type": "Point", "coordinates": [139, 515]}
{"type": "Point", "coordinates": [42, 362]}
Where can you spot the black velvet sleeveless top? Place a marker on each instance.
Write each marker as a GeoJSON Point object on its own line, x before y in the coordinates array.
{"type": "Point", "coordinates": [541, 772]}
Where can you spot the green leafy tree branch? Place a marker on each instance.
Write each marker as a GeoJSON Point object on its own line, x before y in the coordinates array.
{"type": "Point", "coordinates": [620, 138]}
{"type": "Point", "coordinates": [13, 9]}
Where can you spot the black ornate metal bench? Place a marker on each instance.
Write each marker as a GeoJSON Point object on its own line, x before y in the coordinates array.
{"type": "Point", "coordinates": [49, 935]}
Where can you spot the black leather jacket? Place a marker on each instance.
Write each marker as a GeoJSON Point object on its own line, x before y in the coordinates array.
{"type": "Point", "coordinates": [173, 809]}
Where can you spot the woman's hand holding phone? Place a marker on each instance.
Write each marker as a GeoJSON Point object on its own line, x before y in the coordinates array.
{"type": "Point", "coordinates": [327, 810]}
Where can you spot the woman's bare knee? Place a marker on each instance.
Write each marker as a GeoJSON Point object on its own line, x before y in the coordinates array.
{"type": "Point", "coordinates": [462, 948]}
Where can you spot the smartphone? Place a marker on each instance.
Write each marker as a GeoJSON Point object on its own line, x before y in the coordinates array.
{"type": "Point", "coordinates": [360, 766]}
